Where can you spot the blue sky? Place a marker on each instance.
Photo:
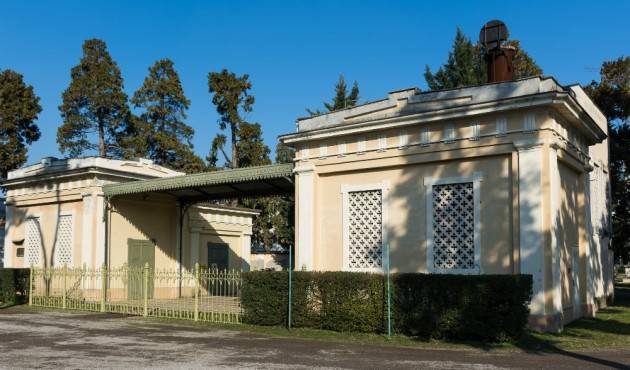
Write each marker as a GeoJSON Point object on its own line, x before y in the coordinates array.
{"type": "Point", "coordinates": [293, 51]}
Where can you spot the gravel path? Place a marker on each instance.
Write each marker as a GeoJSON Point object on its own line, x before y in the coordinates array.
{"type": "Point", "coordinates": [52, 339]}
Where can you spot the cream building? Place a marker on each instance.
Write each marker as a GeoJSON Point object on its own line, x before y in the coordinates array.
{"type": "Point", "coordinates": [502, 178]}
{"type": "Point", "coordinates": [58, 214]}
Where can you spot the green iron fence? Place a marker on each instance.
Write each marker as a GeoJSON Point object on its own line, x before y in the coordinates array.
{"type": "Point", "coordinates": [200, 295]}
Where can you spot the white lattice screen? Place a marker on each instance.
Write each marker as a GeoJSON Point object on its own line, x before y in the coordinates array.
{"type": "Point", "coordinates": [33, 242]}
{"type": "Point", "coordinates": [453, 226]}
{"type": "Point", "coordinates": [63, 245]}
{"type": "Point", "coordinates": [365, 229]}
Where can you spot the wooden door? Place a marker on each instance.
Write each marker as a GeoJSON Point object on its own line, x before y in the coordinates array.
{"type": "Point", "coordinates": [139, 253]}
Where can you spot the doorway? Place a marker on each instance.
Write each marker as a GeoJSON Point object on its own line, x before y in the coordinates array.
{"type": "Point", "coordinates": [218, 258]}
{"type": "Point", "coordinates": [139, 253]}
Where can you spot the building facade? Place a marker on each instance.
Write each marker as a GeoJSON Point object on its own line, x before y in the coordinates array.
{"type": "Point", "coordinates": [58, 214]}
{"type": "Point", "coordinates": [501, 178]}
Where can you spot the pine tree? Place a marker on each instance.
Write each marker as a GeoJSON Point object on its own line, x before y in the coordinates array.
{"type": "Point", "coordinates": [612, 95]}
{"type": "Point", "coordinates": [231, 98]}
{"type": "Point", "coordinates": [19, 108]}
{"type": "Point", "coordinates": [94, 103]}
{"type": "Point", "coordinates": [342, 99]}
{"type": "Point", "coordinates": [161, 124]}
{"type": "Point", "coordinates": [465, 65]}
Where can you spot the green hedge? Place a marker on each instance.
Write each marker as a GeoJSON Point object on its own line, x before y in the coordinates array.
{"type": "Point", "coordinates": [487, 307]}
{"type": "Point", "coordinates": [13, 286]}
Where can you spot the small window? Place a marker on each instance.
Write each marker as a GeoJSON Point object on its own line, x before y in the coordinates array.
{"type": "Point", "coordinates": [341, 148]}
{"type": "Point", "coordinates": [305, 152]}
{"type": "Point", "coordinates": [425, 136]}
{"type": "Point", "coordinates": [501, 126]}
{"type": "Point", "coordinates": [475, 131]}
{"type": "Point", "coordinates": [19, 252]}
{"type": "Point", "coordinates": [403, 139]}
{"type": "Point", "coordinates": [382, 142]}
{"type": "Point", "coordinates": [323, 150]}
{"type": "Point", "coordinates": [449, 133]}
{"type": "Point", "coordinates": [360, 145]}
{"type": "Point", "coordinates": [529, 122]}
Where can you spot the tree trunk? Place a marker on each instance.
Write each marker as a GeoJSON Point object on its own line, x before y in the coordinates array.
{"type": "Point", "coordinates": [234, 163]}
{"type": "Point", "coordinates": [101, 139]}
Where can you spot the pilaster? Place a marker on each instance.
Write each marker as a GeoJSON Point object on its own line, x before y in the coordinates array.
{"type": "Point", "coordinates": [305, 179]}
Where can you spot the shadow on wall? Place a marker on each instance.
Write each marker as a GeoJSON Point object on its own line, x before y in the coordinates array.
{"type": "Point", "coordinates": [20, 216]}
{"type": "Point", "coordinates": [157, 220]}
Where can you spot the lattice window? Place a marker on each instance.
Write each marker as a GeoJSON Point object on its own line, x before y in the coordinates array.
{"type": "Point", "coordinates": [64, 243]}
{"type": "Point", "coordinates": [453, 226]}
{"type": "Point", "coordinates": [365, 229]}
{"type": "Point", "coordinates": [33, 242]}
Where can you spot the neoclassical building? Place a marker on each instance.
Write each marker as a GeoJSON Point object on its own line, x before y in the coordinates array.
{"type": "Point", "coordinates": [58, 214]}
{"type": "Point", "coordinates": [501, 178]}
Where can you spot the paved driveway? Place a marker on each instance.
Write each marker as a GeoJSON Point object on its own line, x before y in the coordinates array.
{"type": "Point", "coordinates": [52, 339]}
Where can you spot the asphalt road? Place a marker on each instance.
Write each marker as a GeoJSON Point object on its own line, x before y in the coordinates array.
{"type": "Point", "coordinates": [52, 339]}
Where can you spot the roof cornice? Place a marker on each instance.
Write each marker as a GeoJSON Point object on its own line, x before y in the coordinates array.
{"type": "Point", "coordinates": [553, 98]}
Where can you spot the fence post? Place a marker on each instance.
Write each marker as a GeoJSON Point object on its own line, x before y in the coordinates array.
{"type": "Point", "coordinates": [145, 289]}
{"type": "Point", "coordinates": [197, 291]}
{"type": "Point", "coordinates": [103, 286]}
{"type": "Point", "coordinates": [30, 288]}
{"type": "Point", "coordinates": [65, 277]}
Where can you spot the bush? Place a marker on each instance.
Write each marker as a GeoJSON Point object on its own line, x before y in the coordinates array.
{"type": "Point", "coordinates": [487, 307]}
{"type": "Point", "coordinates": [13, 286]}
{"type": "Point", "coordinates": [338, 301]}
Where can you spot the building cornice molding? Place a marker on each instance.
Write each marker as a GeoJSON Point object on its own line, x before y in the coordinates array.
{"type": "Point", "coordinates": [559, 100]}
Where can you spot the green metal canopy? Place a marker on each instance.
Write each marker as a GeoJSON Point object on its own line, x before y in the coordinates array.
{"type": "Point", "coordinates": [273, 179]}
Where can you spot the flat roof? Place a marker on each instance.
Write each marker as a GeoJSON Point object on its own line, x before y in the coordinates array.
{"type": "Point", "coordinates": [275, 179]}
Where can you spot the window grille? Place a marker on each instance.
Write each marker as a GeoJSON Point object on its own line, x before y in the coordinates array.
{"type": "Point", "coordinates": [365, 229]}
{"type": "Point", "coordinates": [33, 241]}
{"type": "Point", "coordinates": [64, 242]}
{"type": "Point", "coordinates": [453, 226]}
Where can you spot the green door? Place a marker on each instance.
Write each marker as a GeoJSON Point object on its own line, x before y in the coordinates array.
{"type": "Point", "coordinates": [218, 256]}
{"type": "Point", "coordinates": [139, 252]}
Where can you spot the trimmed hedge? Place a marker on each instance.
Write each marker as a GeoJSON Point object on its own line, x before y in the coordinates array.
{"type": "Point", "coordinates": [13, 286]}
{"type": "Point", "coordinates": [487, 307]}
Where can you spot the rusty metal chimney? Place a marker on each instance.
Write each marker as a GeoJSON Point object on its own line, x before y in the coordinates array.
{"type": "Point", "coordinates": [498, 55]}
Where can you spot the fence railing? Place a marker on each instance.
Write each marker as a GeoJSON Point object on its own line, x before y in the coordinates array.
{"type": "Point", "coordinates": [200, 295]}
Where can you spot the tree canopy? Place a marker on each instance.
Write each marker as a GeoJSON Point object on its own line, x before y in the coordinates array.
{"type": "Point", "coordinates": [165, 137]}
{"type": "Point", "coordinates": [342, 99]}
{"type": "Point", "coordinates": [19, 108]}
{"type": "Point", "coordinates": [94, 104]}
{"type": "Point", "coordinates": [465, 65]}
{"type": "Point", "coordinates": [232, 99]}
{"type": "Point", "coordinates": [612, 95]}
